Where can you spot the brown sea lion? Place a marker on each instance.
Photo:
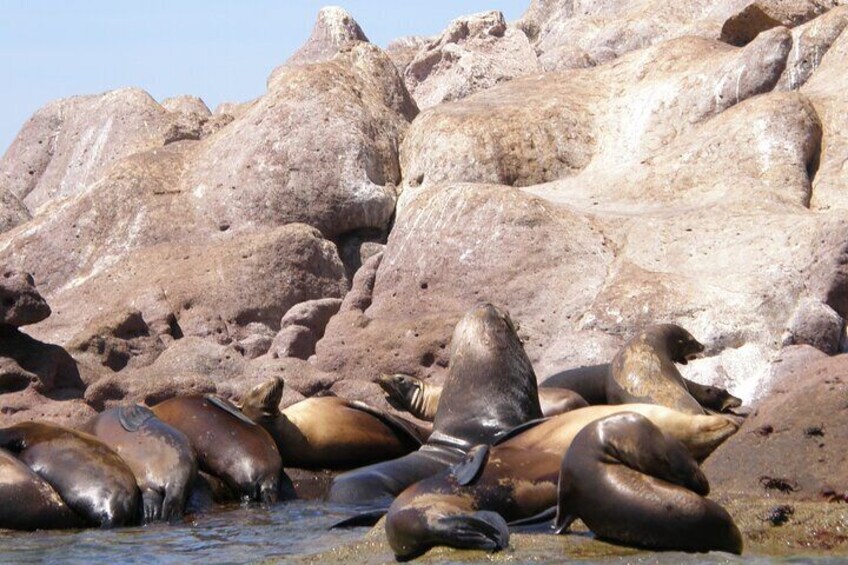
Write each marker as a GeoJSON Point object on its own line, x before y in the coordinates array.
{"type": "Point", "coordinates": [590, 382]}
{"type": "Point", "coordinates": [631, 483]}
{"type": "Point", "coordinates": [228, 445]}
{"type": "Point", "coordinates": [490, 388]}
{"type": "Point", "coordinates": [469, 505]}
{"type": "Point", "coordinates": [91, 478]}
{"type": "Point", "coordinates": [421, 399]}
{"type": "Point", "coordinates": [160, 456]}
{"type": "Point", "coordinates": [28, 502]}
{"type": "Point", "coordinates": [644, 371]}
{"type": "Point", "coordinates": [329, 432]}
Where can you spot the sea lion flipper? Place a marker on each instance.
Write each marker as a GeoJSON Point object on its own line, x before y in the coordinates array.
{"type": "Point", "coordinates": [544, 516]}
{"type": "Point", "coordinates": [133, 416]}
{"type": "Point", "coordinates": [395, 423]}
{"type": "Point", "coordinates": [484, 530]}
{"type": "Point", "coordinates": [363, 519]}
{"type": "Point", "coordinates": [468, 470]}
{"type": "Point", "coordinates": [521, 428]}
{"type": "Point", "coordinates": [228, 407]}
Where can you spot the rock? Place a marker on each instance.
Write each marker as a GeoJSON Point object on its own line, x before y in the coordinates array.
{"type": "Point", "coordinates": [793, 445]}
{"type": "Point", "coordinates": [303, 326]}
{"type": "Point", "coordinates": [271, 166]}
{"type": "Point", "coordinates": [216, 289]}
{"type": "Point", "coordinates": [12, 211]}
{"type": "Point", "coordinates": [790, 362]}
{"type": "Point", "coordinates": [186, 104]}
{"type": "Point", "coordinates": [513, 134]}
{"type": "Point", "coordinates": [474, 53]}
{"type": "Point", "coordinates": [20, 302]}
{"type": "Point", "coordinates": [756, 17]}
{"type": "Point", "coordinates": [810, 42]}
{"type": "Point", "coordinates": [258, 341]}
{"type": "Point", "coordinates": [119, 339]}
{"type": "Point", "coordinates": [191, 119]}
{"type": "Point", "coordinates": [25, 361]}
{"type": "Point", "coordinates": [28, 405]}
{"type": "Point", "coordinates": [67, 145]}
{"type": "Point", "coordinates": [404, 49]}
{"type": "Point", "coordinates": [580, 34]}
{"type": "Point", "coordinates": [816, 324]}
{"type": "Point", "coordinates": [333, 29]}
{"type": "Point", "coordinates": [827, 88]}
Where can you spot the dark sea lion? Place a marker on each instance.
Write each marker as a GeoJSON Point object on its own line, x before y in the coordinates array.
{"type": "Point", "coordinates": [421, 399]}
{"type": "Point", "coordinates": [469, 505]}
{"type": "Point", "coordinates": [89, 476]}
{"type": "Point", "coordinates": [228, 445]}
{"type": "Point", "coordinates": [329, 432]}
{"type": "Point", "coordinates": [160, 456]}
{"type": "Point", "coordinates": [632, 484]}
{"type": "Point", "coordinates": [590, 382]}
{"type": "Point", "coordinates": [644, 371]}
{"type": "Point", "coordinates": [28, 502]}
{"type": "Point", "coordinates": [490, 388]}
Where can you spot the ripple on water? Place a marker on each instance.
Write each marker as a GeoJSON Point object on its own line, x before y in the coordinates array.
{"type": "Point", "coordinates": [232, 534]}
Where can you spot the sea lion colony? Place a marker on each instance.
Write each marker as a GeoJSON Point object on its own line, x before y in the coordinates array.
{"type": "Point", "coordinates": [500, 451]}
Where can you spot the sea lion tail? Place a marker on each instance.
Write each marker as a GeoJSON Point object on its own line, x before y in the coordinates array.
{"type": "Point", "coordinates": [363, 519]}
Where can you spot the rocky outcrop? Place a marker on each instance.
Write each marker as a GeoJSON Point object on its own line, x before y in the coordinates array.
{"type": "Point", "coordinates": [20, 302]}
{"type": "Point", "coordinates": [333, 29]}
{"type": "Point", "coordinates": [302, 327]}
{"type": "Point", "coordinates": [793, 445]}
{"type": "Point", "coordinates": [474, 53]}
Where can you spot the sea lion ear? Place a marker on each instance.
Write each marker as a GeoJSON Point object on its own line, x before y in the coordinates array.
{"type": "Point", "coordinates": [272, 395]}
{"type": "Point", "coordinates": [469, 469]}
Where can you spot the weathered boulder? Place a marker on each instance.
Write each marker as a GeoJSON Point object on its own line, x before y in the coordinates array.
{"type": "Point", "coordinates": [12, 211]}
{"type": "Point", "coordinates": [810, 42]}
{"type": "Point", "coordinates": [120, 339]}
{"type": "Point", "coordinates": [582, 34]}
{"type": "Point", "coordinates": [817, 324]}
{"type": "Point", "coordinates": [554, 127]}
{"type": "Point", "coordinates": [474, 53]}
{"type": "Point", "coordinates": [68, 144]}
{"type": "Point", "coordinates": [27, 362]}
{"type": "Point", "coordinates": [273, 165]}
{"type": "Point", "coordinates": [827, 88]}
{"type": "Point", "coordinates": [302, 326]}
{"type": "Point", "coordinates": [333, 29]}
{"type": "Point", "coordinates": [793, 445]}
{"type": "Point", "coordinates": [191, 119]}
{"type": "Point", "coordinates": [404, 49]}
{"type": "Point", "coordinates": [20, 302]}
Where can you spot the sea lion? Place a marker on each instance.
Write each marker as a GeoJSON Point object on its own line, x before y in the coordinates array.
{"type": "Point", "coordinates": [91, 478]}
{"type": "Point", "coordinates": [28, 502]}
{"type": "Point", "coordinates": [644, 371]}
{"type": "Point", "coordinates": [328, 432]}
{"type": "Point", "coordinates": [421, 399]}
{"type": "Point", "coordinates": [590, 383]}
{"type": "Point", "coordinates": [631, 483]}
{"type": "Point", "coordinates": [490, 388]}
{"type": "Point", "coordinates": [228, 445]}
{"type": "Point", "coordinates": [469, 505]}
{"type": "Point", "coordinates": [160, 456]}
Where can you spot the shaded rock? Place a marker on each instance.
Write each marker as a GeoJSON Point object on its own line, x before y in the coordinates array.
{"type": "Point", "coordinates": [756, 17]}
{"type": "Point", "coordinates": [816, 324]}
{"type": "Point", "coordinates": [119, 339]}
{"type": "Point", "coordinates": [25, 361]}
{"type": "Point", "coordinates": [28, 405]}
{"type": "Point", "coordinates": [404, 49]}
{"type": "Point", "coordinates": [303, 326]}
{"type": "Point", "coordinates": [810, 42]}
{"type": "Point", "coordinates": [792, 446]}
{"type": "Point", "coordinates": [333, 29]}
{"type": "Point", "coordinates": [827, 88]}
{"type": "Point", "coordinates": [273, 166]}
{"type": "Point", "coordinates": [68, 144]}
{"type": "Point", "coordinates": [258, 341]}
{"type": "Point", "coordinates": [20, 302]}
{"type": "Point", "coordinates": [190, 366]}
{"type": "Point", "coordinates": [474, 53]}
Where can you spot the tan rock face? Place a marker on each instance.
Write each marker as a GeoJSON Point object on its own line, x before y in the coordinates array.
{"type": "Point", "coordinates": [474, 53]}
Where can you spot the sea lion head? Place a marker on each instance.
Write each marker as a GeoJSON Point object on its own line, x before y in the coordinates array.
{"type": "Point", "coordinates": [401, 390]}
{"type": "Point", "coordinates": [262, 402]}
{"type": "Point", "coordinates": [484, 327]}
{"type": "Point", "coordinates": [718, 399]}
{"type": "Point", "coordinates": [681, 345]}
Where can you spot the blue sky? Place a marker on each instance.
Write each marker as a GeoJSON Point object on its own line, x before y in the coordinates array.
{"type": "Point", "coordinates": [218, 50]}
